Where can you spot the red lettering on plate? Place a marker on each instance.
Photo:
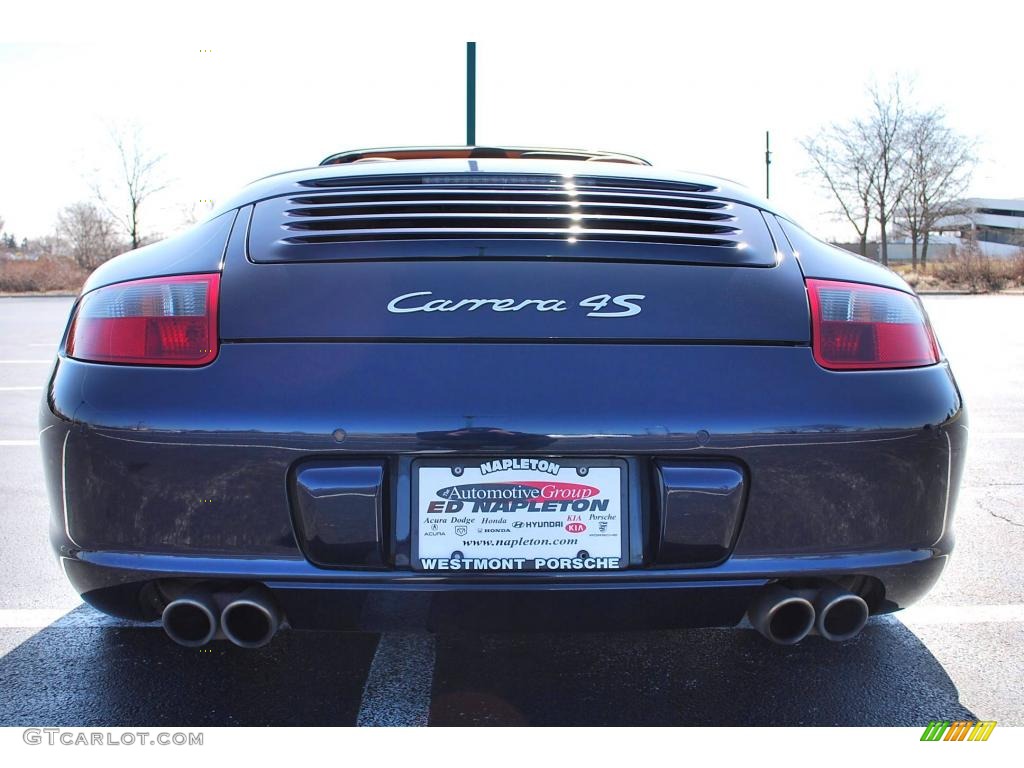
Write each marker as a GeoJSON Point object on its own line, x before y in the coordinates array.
{"type": "Point", "coordinates": [555, 491]}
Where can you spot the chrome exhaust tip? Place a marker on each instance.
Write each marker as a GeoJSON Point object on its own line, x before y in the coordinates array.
{"type": "Point", "coordinates": [191, 620]}
{"type": "Point", "coordinates": [251, 620]}
{"type": "Point", "coordinates": [841, 615]}
{"type": "Point", "coordinates": [781, 615]}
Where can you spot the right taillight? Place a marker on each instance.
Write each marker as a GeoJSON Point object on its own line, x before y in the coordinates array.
{"type": "Point", "coordinates": [860, 327]}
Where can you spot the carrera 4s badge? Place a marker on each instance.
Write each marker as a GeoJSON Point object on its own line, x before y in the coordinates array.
{"type": "Point", "coordinates": [602, 305]}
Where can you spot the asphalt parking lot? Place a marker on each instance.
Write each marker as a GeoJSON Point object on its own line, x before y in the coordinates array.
{"type": "Point", "coordinates": [958, 655]}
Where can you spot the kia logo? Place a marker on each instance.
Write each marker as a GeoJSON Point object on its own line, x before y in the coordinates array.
{"type": "Point", "coordinates": [575, 527]}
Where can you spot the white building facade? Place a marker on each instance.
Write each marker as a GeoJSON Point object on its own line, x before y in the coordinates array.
{"type": "Point", "coordinates": [997, 224]}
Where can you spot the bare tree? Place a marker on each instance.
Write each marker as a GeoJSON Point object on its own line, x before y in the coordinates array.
{"type": "Point", "coordinates": [846, 171]}
{"type": "Point", "coordinates": [193, 213]}
{"type": "Point", "coordinates": [862, 164]}
{"type": "Point", "coordinates": [139, 179]}
{"type": "Point", "coordinates": [939, 164]}
{"type": "Point", "coordinates": [6, 240]}
{"type": "Point", "coordinates": [885, 131]}
{"type": "Point", "coordinates": [89, 234]}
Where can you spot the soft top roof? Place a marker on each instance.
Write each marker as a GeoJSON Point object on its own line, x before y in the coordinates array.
{"type": "Point", "coordinates": [385, 154]}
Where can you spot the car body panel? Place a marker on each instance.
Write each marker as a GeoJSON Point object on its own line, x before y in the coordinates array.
{"type": "Point", "coordinates": [350, 300]}
{"type": "Point", "coordinates": [167, 476]}
{"type": "Point", "coordinates": [820, 260]}
{"type": "Point", "coordinates": [154, 450]}
{"type": "Point", "coordinates": [199, 249]}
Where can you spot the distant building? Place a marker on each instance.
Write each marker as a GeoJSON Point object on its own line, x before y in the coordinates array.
{"type": "Point", "coordinates": [997, 224]}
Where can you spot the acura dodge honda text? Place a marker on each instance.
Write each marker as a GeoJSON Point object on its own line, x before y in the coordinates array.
{"type": "Point", "coordinates": [499, 388]}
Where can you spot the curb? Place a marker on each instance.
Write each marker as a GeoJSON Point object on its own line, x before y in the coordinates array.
{"type": "Point", "coordinates": [38, 295]}
{"type": "Point", "coordinates": [1011, 292]}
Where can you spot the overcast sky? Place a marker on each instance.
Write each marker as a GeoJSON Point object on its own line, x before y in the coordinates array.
{"type": "Point", "coordinates": [688, 86]}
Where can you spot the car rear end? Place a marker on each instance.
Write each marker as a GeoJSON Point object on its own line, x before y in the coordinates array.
{"type": "Point", "coordinates": [499, 394]}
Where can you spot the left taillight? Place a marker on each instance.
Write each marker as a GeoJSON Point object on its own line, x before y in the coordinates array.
{"type": "Point", "coordinates": [157, 321]}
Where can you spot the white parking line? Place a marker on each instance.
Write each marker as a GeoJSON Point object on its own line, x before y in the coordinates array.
{"type": "Point", "coordinates": [28, 618]}
{"type": "Point", "coordinates": [961, 614]}
{"type": "Point", "coordinates": [40, 618]}
{"type": "Point", "coordinates": [25, 362]}
{"type": "Point", "coordinates": [398, 687]}
{"type": "Point", "coordinates": [20, 389]}
{"type": "Point", "coordinates": [17, 443]}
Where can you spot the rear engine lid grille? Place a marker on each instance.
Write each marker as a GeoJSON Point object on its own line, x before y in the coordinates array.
{"type": "Point", "coordinates": [489, 216]}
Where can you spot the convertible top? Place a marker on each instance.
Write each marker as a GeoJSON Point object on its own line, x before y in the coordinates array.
{"type": "Point", "coordinates": [458, 153]}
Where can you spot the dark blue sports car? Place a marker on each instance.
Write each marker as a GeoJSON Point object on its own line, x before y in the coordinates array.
{"type": "Point", "coordinates": [496, 388]}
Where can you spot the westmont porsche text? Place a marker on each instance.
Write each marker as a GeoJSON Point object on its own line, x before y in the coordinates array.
{"type": "Point", "coordinates": [499, 388]}
{"type": "Point", "coordinates": [519, 564]}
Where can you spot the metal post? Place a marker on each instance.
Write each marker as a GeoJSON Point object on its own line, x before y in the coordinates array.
{"type": "Point", "coordinates": [767, 166]}
{"type": "Point", "coordinates": [470, 94]}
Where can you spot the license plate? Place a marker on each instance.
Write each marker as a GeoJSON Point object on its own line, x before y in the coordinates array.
{"type": "Point", "coordinates": [519, 514]}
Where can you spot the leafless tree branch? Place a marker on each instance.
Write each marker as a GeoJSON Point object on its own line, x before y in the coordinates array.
{"type": "Point", "coordinates": [940, 162]}
{"type": "Point", "coordinates": [138, 181]}
{"type": "Point", "coordinates": [89, 234]}
{"type": "Point", "coordinates": [894, 166]}
{"type": "Point", "coordinates": [846, 172]}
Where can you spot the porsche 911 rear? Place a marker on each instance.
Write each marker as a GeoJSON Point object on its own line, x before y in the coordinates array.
{"type": "Point", "coordinates": [499, 393]}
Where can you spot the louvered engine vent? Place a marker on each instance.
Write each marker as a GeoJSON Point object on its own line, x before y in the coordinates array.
{"type": "Point", "coordinates": [502, 207]}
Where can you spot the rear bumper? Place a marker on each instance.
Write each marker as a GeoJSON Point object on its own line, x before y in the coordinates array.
{"type": "Point", "coordinates": [127, 586]}
{"type": "Point", "coordinates": [158, 476]}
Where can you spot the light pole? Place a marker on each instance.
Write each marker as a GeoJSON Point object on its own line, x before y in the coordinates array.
{"type": "Point", "coordinates": [470, 94]}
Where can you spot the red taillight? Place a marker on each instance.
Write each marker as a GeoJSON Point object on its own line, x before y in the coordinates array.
{"type": "Point", "coordinates": [864, 327]}
{"type": "Point", "coordinates": [159, 321]}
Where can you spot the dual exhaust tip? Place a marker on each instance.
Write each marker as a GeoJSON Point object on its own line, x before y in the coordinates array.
{"type": "Point", "coordinates": [249, 619]}
{"type": "Point", "coordinates": [787, 616]}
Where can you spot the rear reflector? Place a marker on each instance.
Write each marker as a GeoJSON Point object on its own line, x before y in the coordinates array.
{"type": "Point", "coordinates": [159, 321]}
{"type": "Point", "coordinates": [858, 327]}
